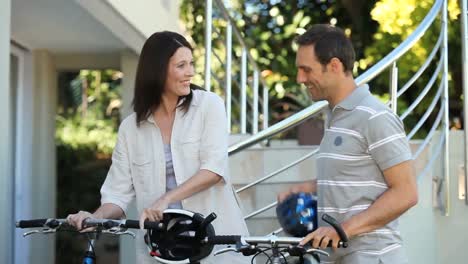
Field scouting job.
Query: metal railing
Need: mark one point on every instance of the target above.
(439, 9)
(249, 73)
(464, 40)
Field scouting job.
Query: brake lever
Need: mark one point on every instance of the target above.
(224, 250)
(317, 251)
(246, 250)
(118, 231)
(300, 250)
(38, 231)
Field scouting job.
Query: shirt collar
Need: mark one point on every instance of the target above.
(195, 101)
(350, 102)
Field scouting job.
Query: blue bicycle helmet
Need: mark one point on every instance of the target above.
(297, 214)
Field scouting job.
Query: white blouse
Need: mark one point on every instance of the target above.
(199, 141)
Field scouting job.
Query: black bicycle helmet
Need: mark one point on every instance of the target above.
(181, 239)
(297, 214)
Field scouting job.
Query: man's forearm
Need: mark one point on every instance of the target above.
(384, 210)
(402, 194)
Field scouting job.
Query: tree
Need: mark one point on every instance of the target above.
(375, 27)
(87, 122)
(270, 27)
(397, 19)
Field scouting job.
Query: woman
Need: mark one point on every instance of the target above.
(172, 151)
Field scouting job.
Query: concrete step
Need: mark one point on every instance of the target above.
(257, 162)
(234, 138)
(260, 196)
(252, 164)
(262, 226)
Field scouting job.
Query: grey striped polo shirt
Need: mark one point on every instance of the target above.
(362, 138)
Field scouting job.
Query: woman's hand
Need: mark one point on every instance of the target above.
(77, 219)
(155, 211)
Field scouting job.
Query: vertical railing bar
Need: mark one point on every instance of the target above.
(265, 107)
(394, 87)
(244, 91)
(464, 40)
(228, 74)
(446, 113)
(255, 103)
(208, 25)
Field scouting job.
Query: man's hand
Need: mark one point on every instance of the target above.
(283, 195)
(321, 237)
(306, 187)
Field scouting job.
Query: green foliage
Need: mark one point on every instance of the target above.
(88, 114)
(397, 20)
(375, 27)
(269, 28)
(90, 133)
(87, 122)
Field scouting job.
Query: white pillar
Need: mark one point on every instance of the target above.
(21, 69)
(464, 41)
(44, 154)
(129, 64)
(6, 137)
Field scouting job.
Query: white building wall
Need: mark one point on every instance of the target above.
(24, 116)
(6, 177)
(452, 231)
(418, 225)
(129, 64)
(429, 236)
(44, 161)
(150, 16)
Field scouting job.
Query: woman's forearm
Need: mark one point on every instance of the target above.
(202, 180)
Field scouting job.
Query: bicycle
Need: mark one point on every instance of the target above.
(101, 226)
(182, 246)
(281, 247)
(185, 237)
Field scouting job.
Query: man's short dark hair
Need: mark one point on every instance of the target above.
(329, 42)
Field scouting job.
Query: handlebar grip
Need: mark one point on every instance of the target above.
(31, 223)
(341, 244)
(332, 221)
(148, 224)
(223, 240)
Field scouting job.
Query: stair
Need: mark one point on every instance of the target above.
(257, 162)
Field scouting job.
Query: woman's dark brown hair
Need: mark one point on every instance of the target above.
(152, 73)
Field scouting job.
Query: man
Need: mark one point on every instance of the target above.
(365, 176)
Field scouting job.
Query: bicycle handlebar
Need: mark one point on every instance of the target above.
(247, 245)
(45, 222)
(272, 239)
(89, 222)
(332, 221)
(124, 223)
(31, 223)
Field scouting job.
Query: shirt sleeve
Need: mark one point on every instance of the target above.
(214, 140)
(118, 187)
(387, 140)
